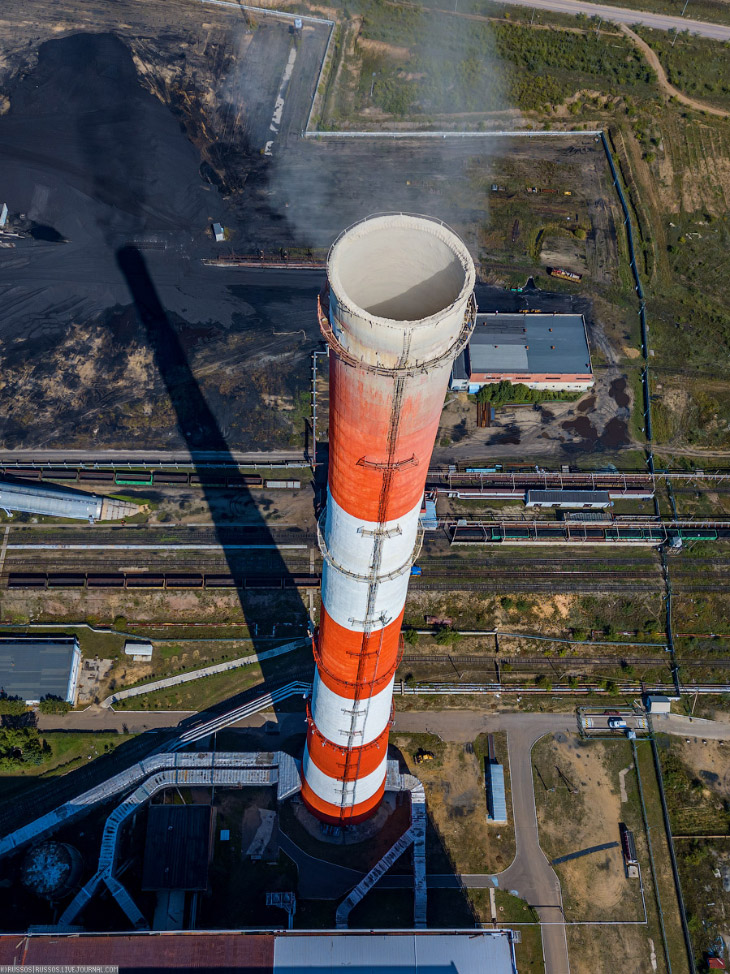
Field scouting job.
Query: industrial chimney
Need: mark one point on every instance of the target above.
(397, 309)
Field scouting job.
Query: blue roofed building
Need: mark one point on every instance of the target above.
(541, 351)
(496, 797)
(34, 667)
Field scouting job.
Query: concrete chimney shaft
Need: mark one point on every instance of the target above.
(397, 310)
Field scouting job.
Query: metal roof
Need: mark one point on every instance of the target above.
(176, 848)
(470, 952)
(55, 501)
(244, 953)
(496, 799)
(34, 667)
(569, 497)
(484, 951)
(529, 343)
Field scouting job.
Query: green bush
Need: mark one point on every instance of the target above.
(506, 602)
(410, 636)
(53, 705)
(447, 636)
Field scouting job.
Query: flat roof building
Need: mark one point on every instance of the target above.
(584, 499)
(657, 703)
(405, 952)
(139, 649)
(541, 351)
(496, 798)
(33, 667)
(177, 848)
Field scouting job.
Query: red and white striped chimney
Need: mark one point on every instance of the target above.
(397, 310)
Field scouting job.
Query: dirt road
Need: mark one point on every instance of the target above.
(663, 81)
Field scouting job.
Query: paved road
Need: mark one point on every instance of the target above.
(530, 874)
(711, 730)
(623, 15)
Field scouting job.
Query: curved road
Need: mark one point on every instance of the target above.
(530, 874)
(623, 15)
(664, 83)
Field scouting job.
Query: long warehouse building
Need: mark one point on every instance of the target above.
(18, 497)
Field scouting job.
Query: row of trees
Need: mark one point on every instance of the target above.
(15, 706)
(500, 393)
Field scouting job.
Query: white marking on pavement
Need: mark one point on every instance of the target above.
(622, 782)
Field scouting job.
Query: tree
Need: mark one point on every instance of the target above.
(19, 745)
(410, 636)
(446, 636)
(12, 705)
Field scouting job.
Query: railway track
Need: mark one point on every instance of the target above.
(564, 662)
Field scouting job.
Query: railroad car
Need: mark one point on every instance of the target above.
(97, 580)
(145, 581)
(134, 478)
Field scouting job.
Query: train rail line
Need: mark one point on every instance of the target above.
(563, 662)
(152, 573)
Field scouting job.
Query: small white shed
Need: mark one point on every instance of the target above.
(658, 704)
(140, 651)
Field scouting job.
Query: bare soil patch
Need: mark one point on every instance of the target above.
(578, 783)
(457, 806)
(592, 953)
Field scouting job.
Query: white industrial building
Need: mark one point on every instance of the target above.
(590, 500)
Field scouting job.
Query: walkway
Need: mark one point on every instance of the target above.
(231, 664)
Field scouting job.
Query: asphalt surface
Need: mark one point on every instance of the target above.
(624, 15)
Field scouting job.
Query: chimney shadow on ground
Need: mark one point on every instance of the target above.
(199, 430)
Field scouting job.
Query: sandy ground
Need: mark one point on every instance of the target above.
(594, 886)
(592, 953)
(456, 803)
